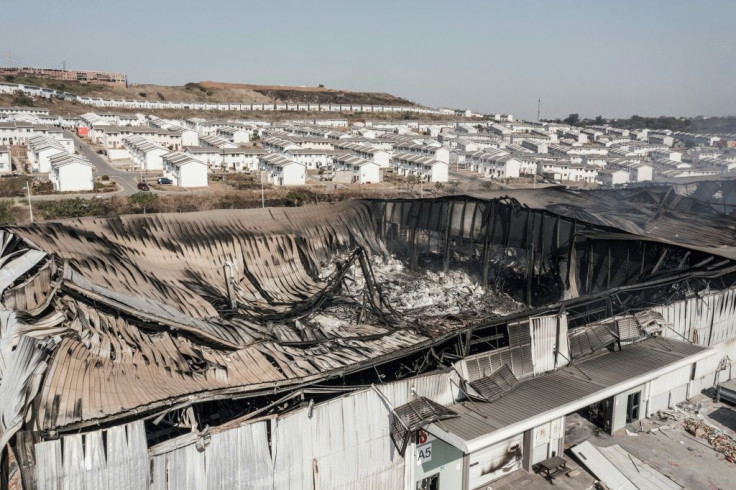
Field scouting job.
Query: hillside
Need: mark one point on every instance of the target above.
(66, 108)
(210, 91)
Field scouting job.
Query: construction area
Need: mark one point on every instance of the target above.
(530, 338)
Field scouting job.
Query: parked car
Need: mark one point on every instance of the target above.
(143, 186)
(165, 180)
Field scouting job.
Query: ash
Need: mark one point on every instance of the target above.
(423, 294)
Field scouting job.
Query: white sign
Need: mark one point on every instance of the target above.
(424, 453)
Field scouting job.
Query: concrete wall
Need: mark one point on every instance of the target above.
(620, 404)
(193, 175)
(74, 177)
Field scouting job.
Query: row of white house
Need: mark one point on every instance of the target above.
(34, 91)
(111, 137)
(18, 132)
(67, 172)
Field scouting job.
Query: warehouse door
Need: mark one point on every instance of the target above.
(633, 406)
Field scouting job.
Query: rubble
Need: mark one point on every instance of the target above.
(721, 442)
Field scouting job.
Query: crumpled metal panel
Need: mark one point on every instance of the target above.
(20, 383)
(12, 267)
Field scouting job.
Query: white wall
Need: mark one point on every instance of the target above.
(294, 174)
(5, 165)
(73, 177)
(192, 175)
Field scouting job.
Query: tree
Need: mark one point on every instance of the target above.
(142, 200)
(572, 119)
(295, 199)
(599, 120)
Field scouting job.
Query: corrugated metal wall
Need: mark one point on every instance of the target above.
(343, 443)
(84, 461)
(237, 458)
(707, 321)
(549, 333)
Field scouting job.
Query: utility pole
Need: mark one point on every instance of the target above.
(30, 206)
(263, 196)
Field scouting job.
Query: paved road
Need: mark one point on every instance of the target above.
(127, 181)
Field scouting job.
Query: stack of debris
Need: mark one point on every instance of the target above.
(720, 441)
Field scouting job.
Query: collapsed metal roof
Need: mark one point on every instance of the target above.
(148, 312)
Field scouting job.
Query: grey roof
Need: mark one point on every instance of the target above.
(564, 386)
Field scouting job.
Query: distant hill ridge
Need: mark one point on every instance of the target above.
(211, 91)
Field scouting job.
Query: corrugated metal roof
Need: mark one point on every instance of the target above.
(556, 389)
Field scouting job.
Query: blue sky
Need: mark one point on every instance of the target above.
(591, 57)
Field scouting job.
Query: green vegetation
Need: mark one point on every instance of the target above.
(20, 99)
(572, 120)
(149, 202)
(726, 124)
(13, 186)
(295, 199)
(68, 208)
(6, 214)
(142, 201)
(195, 86)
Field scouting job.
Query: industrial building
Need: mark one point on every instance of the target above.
(435, 343)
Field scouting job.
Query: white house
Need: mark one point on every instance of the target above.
(216, 142)
(209, 155)
(145, 154)
(611, 178)
(310, 158)
(233, 134)
(40, 150)
(280, 145)
(583, 173)
(241, 159)
(641, 172)
(661, 139)
(494, 164)
(281, 170)
(360, 170)
(71, 173)
(184, 170)
(675, 156)
(427, 169)
(436, 152)
(368, 152)
(5, 161)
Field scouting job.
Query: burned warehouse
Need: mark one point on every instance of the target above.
(383, 344)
